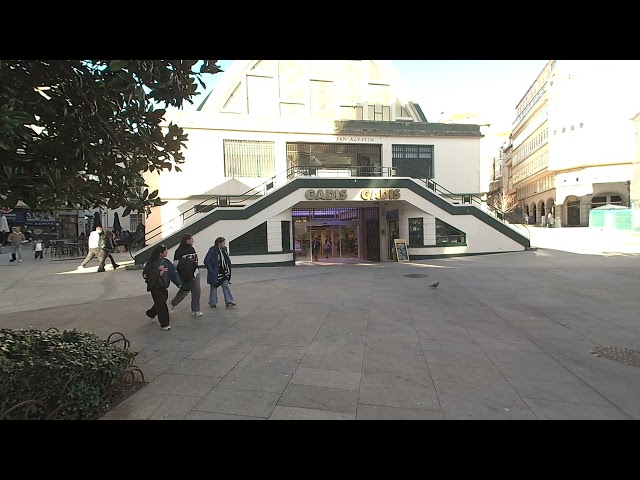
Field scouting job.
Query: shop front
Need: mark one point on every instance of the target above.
(341, 233)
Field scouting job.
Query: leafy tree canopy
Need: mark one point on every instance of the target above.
(81, 133)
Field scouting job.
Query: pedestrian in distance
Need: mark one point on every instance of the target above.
(327, 248)
(15, 239)
(158, 274)
(185, 260)
(108, 246)
(315, 249)
(94, 245)
(38, 248)
(218, 266)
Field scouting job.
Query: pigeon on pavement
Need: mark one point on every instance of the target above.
(435, 285)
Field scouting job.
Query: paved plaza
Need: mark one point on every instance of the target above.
(504, 336)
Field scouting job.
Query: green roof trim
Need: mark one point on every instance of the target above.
(306, 183)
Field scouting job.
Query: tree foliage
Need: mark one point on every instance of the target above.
(81, 133)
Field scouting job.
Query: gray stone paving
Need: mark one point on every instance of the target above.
(506, 336)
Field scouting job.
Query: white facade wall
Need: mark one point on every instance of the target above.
(590, 106)
(456, 163)
(580, 182)
(287, 101)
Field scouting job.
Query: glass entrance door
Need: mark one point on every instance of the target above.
(342, 241)
(348, 246)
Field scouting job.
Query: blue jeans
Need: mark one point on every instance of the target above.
(213, 293)
(17, 252)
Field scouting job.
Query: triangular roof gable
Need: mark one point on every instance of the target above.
(290, 83)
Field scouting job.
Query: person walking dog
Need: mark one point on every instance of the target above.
(218, 266)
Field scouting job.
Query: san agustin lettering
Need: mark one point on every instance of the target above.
(381, 194)
(355, 139)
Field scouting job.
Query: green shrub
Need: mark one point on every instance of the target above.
(66, 375)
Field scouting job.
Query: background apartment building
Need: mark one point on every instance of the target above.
(573, 143)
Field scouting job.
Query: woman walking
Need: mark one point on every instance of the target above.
(218, 266)
(158, 272)
(186, 261)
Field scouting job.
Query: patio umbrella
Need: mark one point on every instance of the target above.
(97, 220)
(116, 222)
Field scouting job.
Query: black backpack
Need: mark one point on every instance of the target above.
(153, 278)
(186, 268)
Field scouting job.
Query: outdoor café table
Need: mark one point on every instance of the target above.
(73, 249)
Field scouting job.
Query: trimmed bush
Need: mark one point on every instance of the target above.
(53, 375)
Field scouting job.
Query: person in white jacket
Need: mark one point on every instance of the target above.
(95, 248)
(4, 230)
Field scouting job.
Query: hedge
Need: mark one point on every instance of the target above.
(60, 375)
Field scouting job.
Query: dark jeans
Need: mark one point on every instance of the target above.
(38, 255)
(159, 308)
(104, 259)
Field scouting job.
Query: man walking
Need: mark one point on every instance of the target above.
(95, 249)
(16, 237)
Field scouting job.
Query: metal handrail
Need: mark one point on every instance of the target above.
(261, 190)
(306, 171)
(494, 211)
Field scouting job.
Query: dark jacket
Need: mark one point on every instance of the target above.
(107, 244)
(101, 241)
(168, 276)
(186, 260)
(212, 261)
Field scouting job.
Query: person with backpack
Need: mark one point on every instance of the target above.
(158, 274)
(185, 259)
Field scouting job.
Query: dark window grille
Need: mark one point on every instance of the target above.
(415, 161)
(251, 243)
(445, 233)
(249, 158)
(204, 208)
(416, 232)
(333, 155)
(286, 235)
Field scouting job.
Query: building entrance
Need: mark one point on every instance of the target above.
(342, 234)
